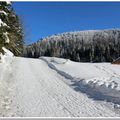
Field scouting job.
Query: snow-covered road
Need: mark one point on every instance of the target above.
(32, 89)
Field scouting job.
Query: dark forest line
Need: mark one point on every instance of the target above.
(81, 46)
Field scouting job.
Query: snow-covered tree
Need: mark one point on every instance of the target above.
(11, 35)
(85, 46)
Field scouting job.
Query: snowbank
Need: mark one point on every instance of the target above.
(1, 58)
(5, 70)
(58, 61)
(99, 80)
(5, 61)
(7, 52)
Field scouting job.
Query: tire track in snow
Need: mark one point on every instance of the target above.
(40, 92)
(43, 102)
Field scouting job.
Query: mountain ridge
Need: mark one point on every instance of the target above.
(85, 46)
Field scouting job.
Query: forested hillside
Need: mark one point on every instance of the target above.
(85, 46)
(11, 33)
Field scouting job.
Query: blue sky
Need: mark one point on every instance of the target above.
(42, 19)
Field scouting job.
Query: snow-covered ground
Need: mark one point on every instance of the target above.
(100, 81)
(51, 87)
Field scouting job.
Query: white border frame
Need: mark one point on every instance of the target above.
(54, 118)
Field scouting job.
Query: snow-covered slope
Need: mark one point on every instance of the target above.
(31, 88)
(99, 80)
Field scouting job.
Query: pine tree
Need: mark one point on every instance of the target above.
(11, 33)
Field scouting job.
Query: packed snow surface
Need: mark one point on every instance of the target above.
(45, 88)
(98, 80)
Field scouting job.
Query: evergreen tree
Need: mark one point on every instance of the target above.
(84, 46)
(11, 33)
